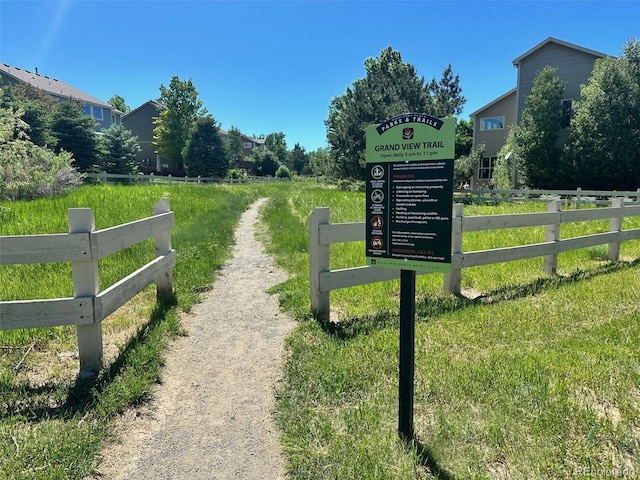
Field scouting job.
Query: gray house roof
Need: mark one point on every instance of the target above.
(50, 85)
(517, 61)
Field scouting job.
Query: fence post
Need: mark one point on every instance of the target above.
(453, 279)
(578, 195)
(552, 234)
(615, 225)
(318, 263)
(164, 283)
(86, 285)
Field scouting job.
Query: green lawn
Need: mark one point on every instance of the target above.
(537, 377)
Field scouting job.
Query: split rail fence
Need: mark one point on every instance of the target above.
(323, 234)
(83, 246)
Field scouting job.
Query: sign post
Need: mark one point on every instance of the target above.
(409, 199)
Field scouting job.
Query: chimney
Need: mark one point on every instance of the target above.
(36, 70)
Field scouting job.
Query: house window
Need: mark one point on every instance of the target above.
(247, 145)
(485, 168)
(567, 112)
(492, 123)
(97, 112)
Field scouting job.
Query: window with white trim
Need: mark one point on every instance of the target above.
(485, 167)
(247, 144)
(492, 123)
(567, 112)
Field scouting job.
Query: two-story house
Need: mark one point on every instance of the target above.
(103, 114)
(140, 122)
(574, 65)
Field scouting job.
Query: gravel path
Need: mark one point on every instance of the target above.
(211, 418)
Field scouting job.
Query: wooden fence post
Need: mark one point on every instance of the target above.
(453, 279)
(615, 225)
(164, 283)
(552, 234)
(86, 285)
(318, 263)
(578, 195)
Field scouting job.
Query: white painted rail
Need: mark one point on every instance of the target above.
(83, 246)
(322, 234)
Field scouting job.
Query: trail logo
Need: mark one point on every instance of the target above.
(407, 133)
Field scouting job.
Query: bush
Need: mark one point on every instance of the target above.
(283, 172)
(28, 171)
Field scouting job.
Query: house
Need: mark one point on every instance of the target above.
(104, 114)
(141, 123)
(491, 123)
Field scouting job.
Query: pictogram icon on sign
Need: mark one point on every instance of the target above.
(377, 222)
(377, 243)
(377, 196)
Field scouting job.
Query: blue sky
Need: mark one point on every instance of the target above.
(274, 66)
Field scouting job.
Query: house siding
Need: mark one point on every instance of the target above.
(572, 66)
(140, 123)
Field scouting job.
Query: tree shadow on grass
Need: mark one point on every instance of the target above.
(431, 306)
(39, 403)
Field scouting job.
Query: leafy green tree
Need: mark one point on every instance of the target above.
(27, 170)
(390, 87)
(464, 137)
(509, 169)
(118, 103)
(298, 159)
(206, 153)
(605, 130)
(174, 124)
(537, 135)
(277, 144)
(464, 166)
(75, 134)
(234, 146)
(265, 163)
(320, 162)
(118, 148)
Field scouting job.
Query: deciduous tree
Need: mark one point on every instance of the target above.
(537, 134)
(606, 126)
(174, 124)
(118, 103)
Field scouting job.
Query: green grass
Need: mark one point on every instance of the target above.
(52, 424)
(538, 377)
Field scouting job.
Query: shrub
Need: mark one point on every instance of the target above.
(283, 172)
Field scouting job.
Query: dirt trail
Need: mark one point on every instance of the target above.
(211, 418)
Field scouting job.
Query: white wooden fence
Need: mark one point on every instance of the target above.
(83, 246)
(322, 234)
(576, 197)
(104, 177)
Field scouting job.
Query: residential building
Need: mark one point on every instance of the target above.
(573, 64)
(141, 123)
(104, 114)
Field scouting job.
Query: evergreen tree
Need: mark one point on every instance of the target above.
(234, 146)
(206, 153)
(265, 163)
(298, 159)
(75, 134)
(118, 148)
(390, 87)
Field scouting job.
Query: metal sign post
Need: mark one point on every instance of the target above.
(409, 188)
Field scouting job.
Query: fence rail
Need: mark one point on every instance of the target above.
(83, 246)
(576, 197)
(169, 179)
(323, 234)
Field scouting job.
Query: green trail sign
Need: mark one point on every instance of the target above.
(409, 188)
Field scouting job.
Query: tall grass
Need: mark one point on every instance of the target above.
(52, 424)
(537, 377)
